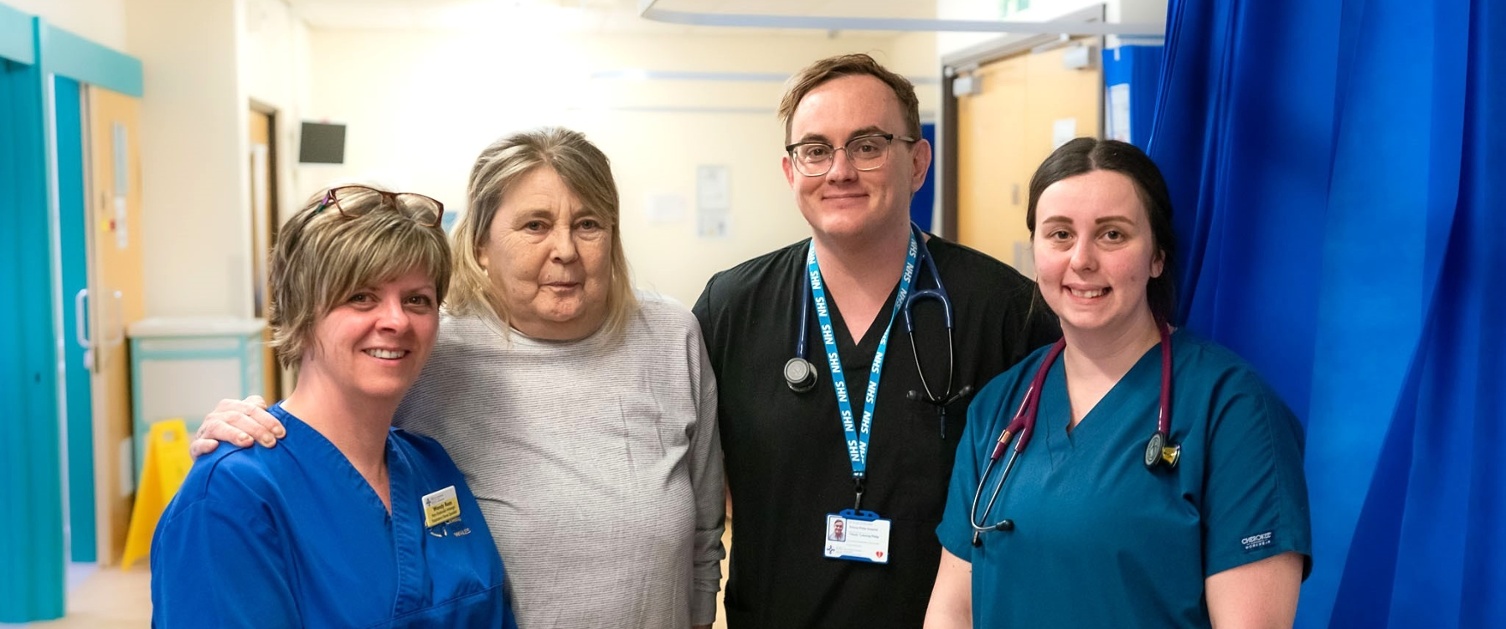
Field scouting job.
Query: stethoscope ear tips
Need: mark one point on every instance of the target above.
(1158, 452)
(800, 374)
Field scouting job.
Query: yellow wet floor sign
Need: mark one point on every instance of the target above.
(167, 463)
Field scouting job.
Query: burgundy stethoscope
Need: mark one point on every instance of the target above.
(1159, 450)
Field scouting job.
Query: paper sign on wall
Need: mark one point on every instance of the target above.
(1064, 130)
(713, 192)
(121, 172)
(663, 209)
(122, 231)
(1116, 101)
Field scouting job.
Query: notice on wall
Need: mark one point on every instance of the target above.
(121, 224)
(713, 192)
(120, 169)
(1063, 130)
(664, 209)
(1116, 101)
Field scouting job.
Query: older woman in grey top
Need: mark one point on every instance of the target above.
(582, 414)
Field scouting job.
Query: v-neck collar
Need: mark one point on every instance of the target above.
(866, 346)
(404, 521)
(311, 440)
(1056, 412)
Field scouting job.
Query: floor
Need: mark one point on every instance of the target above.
(111, 598)
(107, 598)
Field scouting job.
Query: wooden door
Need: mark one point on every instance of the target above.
(117, 300)
(263, 230)
(1027, 106)
(991, 200)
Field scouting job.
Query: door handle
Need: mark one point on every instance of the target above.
(80, 325)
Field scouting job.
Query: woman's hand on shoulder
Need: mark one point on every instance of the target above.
(241, 422)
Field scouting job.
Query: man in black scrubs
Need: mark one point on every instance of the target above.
(794, 466)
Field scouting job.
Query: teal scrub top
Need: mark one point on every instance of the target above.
(1101, 541)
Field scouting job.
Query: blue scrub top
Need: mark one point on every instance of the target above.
(293, 536)
(1099, 540)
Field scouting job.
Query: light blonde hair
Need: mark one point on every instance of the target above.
(583, 168)
(323, 255)
(818, 73)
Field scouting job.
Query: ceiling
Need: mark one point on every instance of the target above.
(586, 16)
(912, 9)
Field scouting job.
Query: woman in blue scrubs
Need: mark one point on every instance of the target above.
(582, 411)
(1215, 533)
(350, 523)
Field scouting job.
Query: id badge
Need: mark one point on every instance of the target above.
(857, 536)
(442, 514)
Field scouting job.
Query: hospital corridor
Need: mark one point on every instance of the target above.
(429, 313)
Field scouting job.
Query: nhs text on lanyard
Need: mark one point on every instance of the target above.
(853, 533)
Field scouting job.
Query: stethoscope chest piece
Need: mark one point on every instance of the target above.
(1158, 453)
(800, 374)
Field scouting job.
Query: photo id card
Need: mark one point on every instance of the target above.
(857, 536)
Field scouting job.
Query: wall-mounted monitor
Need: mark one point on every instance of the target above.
(322, 143)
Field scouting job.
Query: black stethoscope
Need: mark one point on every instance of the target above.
(1159, 450)
(800, 374)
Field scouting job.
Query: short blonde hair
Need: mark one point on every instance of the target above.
(583, 168)
(818, 73)
(324, 254)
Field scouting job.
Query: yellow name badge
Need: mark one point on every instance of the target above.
(441, 507)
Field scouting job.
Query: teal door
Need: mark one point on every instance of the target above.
(31, 520)
(76, 302)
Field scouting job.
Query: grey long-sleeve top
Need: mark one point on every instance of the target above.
(597, 464)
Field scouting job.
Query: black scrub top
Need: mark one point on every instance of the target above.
(786, 456)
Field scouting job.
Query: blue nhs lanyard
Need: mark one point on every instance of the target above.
(857, 436)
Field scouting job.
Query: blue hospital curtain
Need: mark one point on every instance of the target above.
(1336, 169)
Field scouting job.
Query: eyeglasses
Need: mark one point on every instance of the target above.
(865, 152)
(354, 201)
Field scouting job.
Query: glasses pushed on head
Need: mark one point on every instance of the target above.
(354, 201)
(866, 152)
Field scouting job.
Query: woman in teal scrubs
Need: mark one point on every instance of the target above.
(350, 523)
(1082, 534)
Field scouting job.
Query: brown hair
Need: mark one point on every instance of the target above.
(323, 255)
(858, 64)
(583, 168)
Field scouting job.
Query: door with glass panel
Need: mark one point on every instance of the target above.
(115, 294)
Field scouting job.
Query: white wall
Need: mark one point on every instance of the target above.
(204, 62)
(274, 73)
(192, 164)
(914, 55)
(99, 21)
(421, 106)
